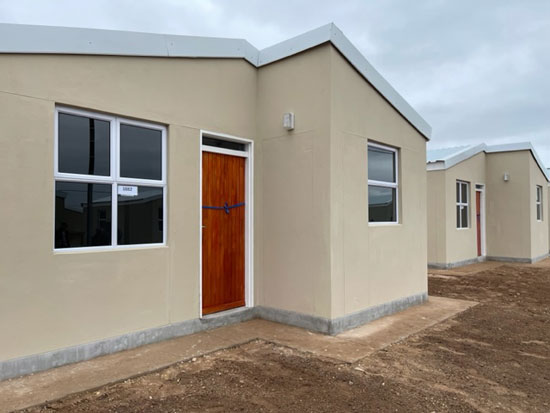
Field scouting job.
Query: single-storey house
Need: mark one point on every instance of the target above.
(486, 202)
(158, 185)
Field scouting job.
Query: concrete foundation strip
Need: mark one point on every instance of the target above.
(56, 358)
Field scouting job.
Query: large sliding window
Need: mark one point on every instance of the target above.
(110, 181)
(383, 184)
(539, 203)
(462, 204)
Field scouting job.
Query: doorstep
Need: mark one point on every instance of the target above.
(348, 347)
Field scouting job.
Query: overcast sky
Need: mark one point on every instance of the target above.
(477, 71)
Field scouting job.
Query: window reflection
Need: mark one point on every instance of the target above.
(140, 216)
(381, 165)
(382, 205)
(140, 152)
(82, 214)
(84, 145)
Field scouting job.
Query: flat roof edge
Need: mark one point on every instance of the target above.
(461, 156)
(361, 64)
(32, 39)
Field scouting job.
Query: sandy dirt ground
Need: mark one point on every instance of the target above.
(492, 357)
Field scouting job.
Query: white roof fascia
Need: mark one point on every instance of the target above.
(17, 38)
(435, 166)
(467, 153)
(520, 146)
(295, 45)
(455, 158)
(30, 39)
(357, 60)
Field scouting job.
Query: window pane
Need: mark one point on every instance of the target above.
(381, 165)
(464, 213)
(465, 187)
(219, 143)
(458, 192)
(382, 205)
(140, 152)
(539, 193)
(458, 216)
(82, 214)
(83, 145)
(140, 214)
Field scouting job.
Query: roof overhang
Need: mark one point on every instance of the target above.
(455, 158)
(450, 161)
(30, 39)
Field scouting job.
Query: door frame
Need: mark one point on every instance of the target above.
(481, 189)
(249, 209)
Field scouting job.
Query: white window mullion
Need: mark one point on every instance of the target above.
(114, 174)
(114, 215)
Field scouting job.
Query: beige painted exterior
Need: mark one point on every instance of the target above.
(365, 271)
(512, 230)
(314, 252)
(447, 243)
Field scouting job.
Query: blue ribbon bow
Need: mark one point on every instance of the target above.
(225, 207)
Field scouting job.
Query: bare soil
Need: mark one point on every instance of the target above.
(492, 357)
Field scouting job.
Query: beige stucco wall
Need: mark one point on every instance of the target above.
(314, 251)
(52, 300)
(295, 183)
(372, 264)
(437, 217)
(509, 205)
(512, 230)
(461, 244)
(539, 233)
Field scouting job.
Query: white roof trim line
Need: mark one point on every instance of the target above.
(455, 158)
(29, 39)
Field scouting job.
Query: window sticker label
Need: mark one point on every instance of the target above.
(127, 190)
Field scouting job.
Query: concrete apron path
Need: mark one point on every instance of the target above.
(348, 347)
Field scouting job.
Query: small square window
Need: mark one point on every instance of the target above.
(82, 214)
(138, 216)
(83, 145)
(140, 152)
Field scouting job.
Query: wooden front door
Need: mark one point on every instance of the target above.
(478, 222)
(223, 232)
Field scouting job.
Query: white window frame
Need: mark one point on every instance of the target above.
(114, 179)
(460, 203)
(384, 184)
(539, 204)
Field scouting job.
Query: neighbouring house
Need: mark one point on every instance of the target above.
(486, 202)
(159, 185)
